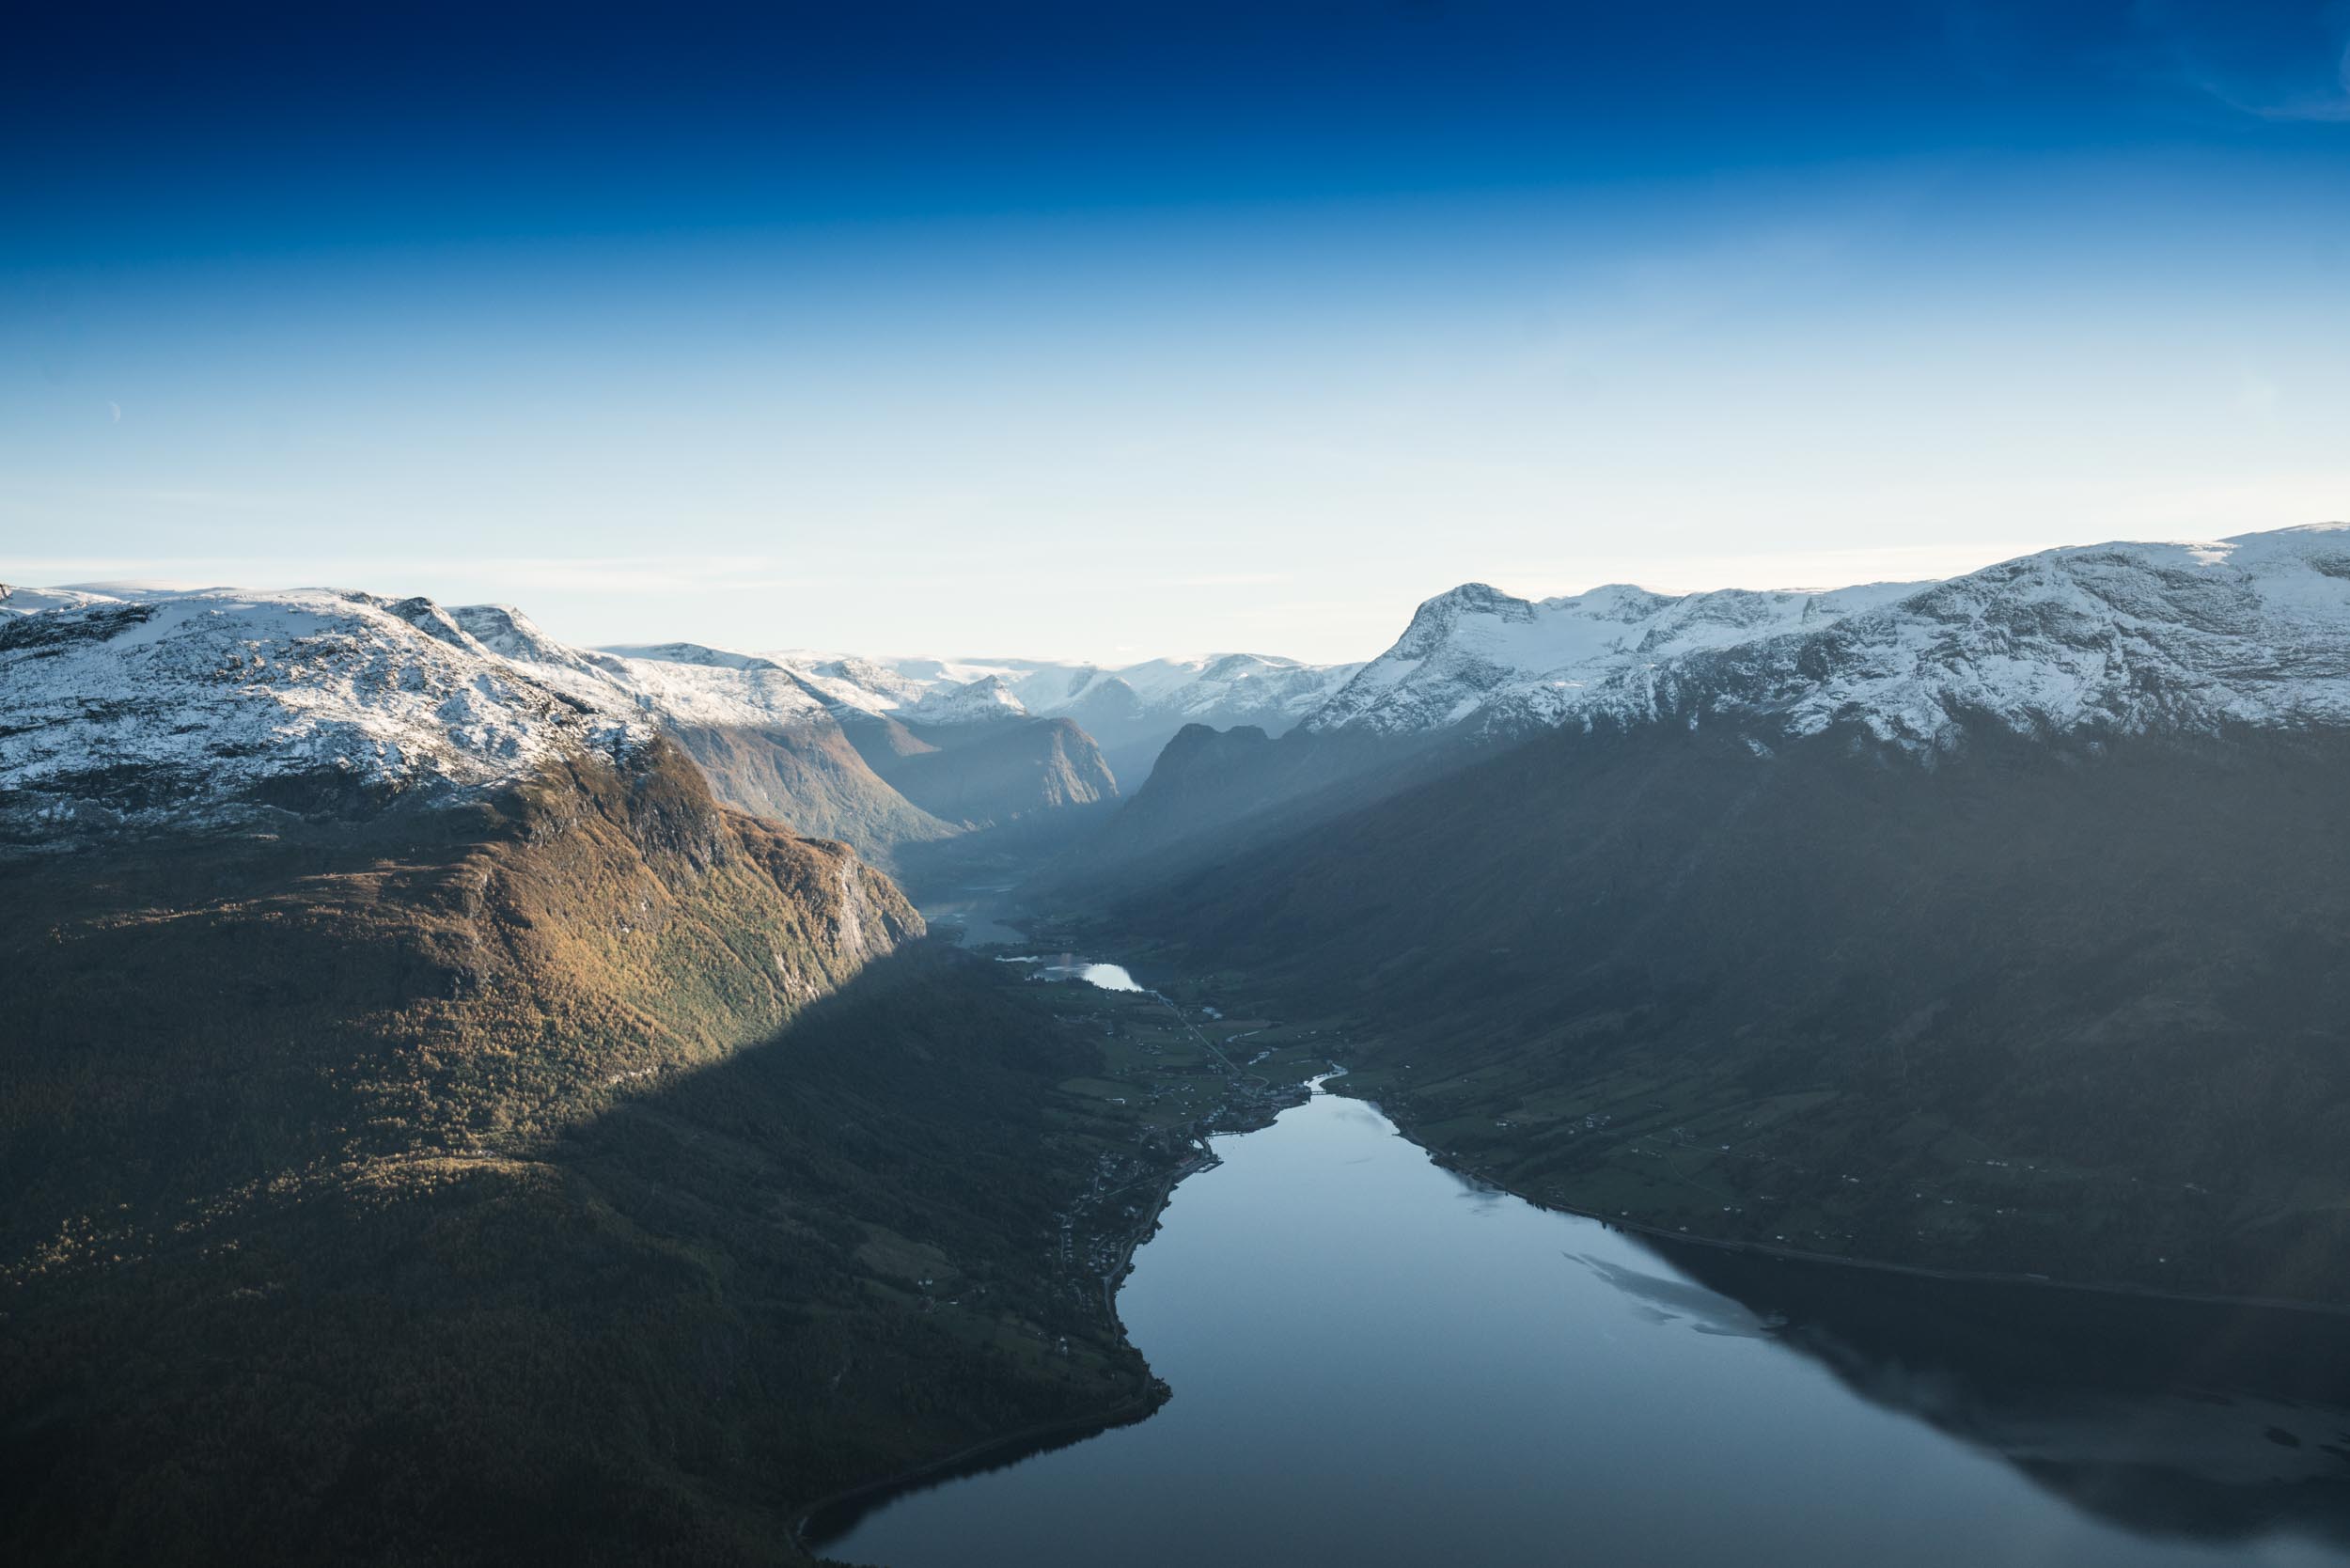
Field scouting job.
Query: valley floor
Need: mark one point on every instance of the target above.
(1668, 1148)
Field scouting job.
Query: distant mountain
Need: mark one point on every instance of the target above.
(2120, 637)
(985, 701)
(993, 774)
(860, 682)
(768, 739)
(470, 695)
(26, 600)
(2104, 639)
(2001, 925)
(1131, 710)
(1477, 659)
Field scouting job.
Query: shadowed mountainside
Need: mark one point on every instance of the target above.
(575, 1172)
(989, 774)
(811, 776)
(2070, 1007)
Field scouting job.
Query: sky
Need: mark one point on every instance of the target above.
(1117, 330)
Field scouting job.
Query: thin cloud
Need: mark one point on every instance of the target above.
(2190, 59)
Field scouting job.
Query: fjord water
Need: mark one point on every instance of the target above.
(1377, 1362)
(1108, 977)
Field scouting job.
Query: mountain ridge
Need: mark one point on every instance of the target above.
(2063, 638)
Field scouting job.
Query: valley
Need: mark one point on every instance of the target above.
(1502, 784)
(506, 1093)
(1376, 1359)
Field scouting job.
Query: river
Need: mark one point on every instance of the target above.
(1376, 1362)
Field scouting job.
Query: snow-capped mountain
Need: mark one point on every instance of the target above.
(26, 600)
(1239, 688)
(1131, 709)
(673, 683)
(217, 706)
(1271, 692)
(860, 683)
(2253, 630)
(1478, 658)
(985, 701)
(152, 708)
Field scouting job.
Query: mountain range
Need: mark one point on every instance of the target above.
(2113, 637)
(1131, 710)
(893, 758)
(432, 1122)
(1994, 923)
(419, 1024)
(2101, 641)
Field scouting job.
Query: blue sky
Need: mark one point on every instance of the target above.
(1118, 330)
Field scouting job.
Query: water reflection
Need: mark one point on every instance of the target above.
(1068, 967)
(2217, 1422)
(1109, 977)
(972, 917)
(1375, 1362)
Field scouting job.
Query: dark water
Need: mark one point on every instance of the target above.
(1376, 1362)
(971, 915)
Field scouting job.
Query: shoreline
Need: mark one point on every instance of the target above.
(1874, 1266)
(1203, 1158)
(974, 1457)
(1013, 1447)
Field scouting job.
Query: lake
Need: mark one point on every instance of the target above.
(1377, 1362)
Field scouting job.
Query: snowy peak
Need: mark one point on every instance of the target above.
(511, 635)
(1515, 664)
(2113, 639)
(690, 654)
(986, 700)
(1440, 620)
(214, 706)
(675, 683)
(866, 684)
(26, 600)
(2126, 638)
(1277, 690)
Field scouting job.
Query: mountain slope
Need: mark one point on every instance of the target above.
(2123, 636)
(1132, 712)
(995, 773)
(433, 1127)
(222, 707)
(2043, 1008)
(767, 738)
(1476, 657)
(2113, 639)
(2002, 926)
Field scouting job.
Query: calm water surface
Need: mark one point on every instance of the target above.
(972, 916)
(1376, 1362)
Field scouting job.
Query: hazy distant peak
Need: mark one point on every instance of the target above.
(987, 700)
(26, 601)
(690, 654)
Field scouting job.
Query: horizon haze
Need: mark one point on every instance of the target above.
(887, 327)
